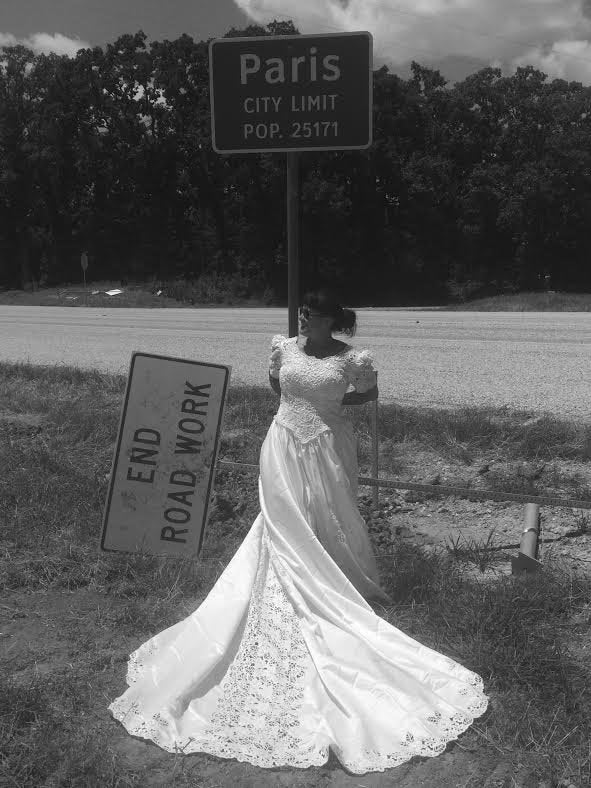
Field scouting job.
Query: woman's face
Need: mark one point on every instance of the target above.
(313, 324)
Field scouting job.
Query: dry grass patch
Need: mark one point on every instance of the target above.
(550, 301)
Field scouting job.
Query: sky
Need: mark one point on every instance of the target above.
(457, 36)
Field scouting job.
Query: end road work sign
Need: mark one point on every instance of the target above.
(290, 93)
(165, 456)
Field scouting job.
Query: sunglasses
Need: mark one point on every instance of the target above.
(307, 314)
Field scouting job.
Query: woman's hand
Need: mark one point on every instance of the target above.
(358, 398)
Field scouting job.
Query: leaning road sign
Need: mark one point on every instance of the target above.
(290, 93)
(165, 456)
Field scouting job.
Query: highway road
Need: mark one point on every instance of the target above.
(538, 361)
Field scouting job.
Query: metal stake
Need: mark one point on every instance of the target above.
(375, 450)
(526, 560)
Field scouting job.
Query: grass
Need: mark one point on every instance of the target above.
(94, 295)
(467, 431)
(482, 448)
(550, 301)
(38, 719)
(236, 289)
(474, 551)
(206, 290)
(57, 431)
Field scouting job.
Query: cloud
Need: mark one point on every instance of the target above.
(554, 35)
(44, 43)
(8, 40)
(570, 60)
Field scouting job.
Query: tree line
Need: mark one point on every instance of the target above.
(483, 186)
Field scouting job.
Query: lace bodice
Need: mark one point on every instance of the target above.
(312, 389)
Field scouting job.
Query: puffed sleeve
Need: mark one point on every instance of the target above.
(276, 355)
(361, 373)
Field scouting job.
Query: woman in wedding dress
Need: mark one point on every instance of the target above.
(285, 659)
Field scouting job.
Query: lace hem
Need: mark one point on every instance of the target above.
(231, 745)
(257, 716)
(258, 712)
(273, 753)
(447, 728)
(413, 746)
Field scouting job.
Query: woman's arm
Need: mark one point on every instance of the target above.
(275, 384)
(357, 398)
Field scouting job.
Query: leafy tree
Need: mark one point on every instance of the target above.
(484, 184)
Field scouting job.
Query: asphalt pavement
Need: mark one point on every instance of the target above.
(537, 361)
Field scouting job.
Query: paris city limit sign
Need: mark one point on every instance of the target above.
(290, 93)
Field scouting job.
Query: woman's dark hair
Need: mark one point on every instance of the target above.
(327, 303)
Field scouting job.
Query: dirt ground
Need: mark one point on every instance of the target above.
(42, 633)
(437, 522)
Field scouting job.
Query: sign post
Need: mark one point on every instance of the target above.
(164, 461)
(288, 94)
(84, 265)
(293, 241)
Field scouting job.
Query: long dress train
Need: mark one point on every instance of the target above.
(285, 659)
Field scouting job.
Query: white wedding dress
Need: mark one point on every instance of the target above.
(285, 659)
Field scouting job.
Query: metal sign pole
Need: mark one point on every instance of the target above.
(288, 94)
(293, 241)
(84, 264)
